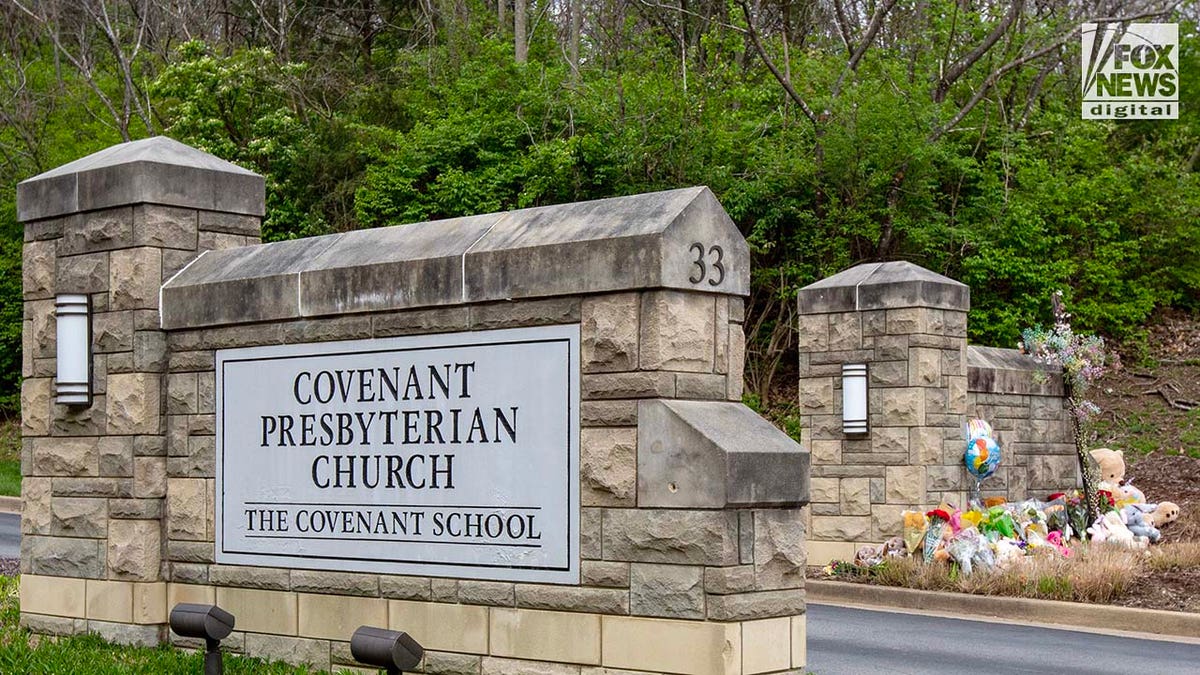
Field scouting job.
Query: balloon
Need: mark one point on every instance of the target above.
(982, 457)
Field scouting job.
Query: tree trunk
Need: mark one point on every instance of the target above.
(500, 14)
(1090, 480)
(576, 30)
(521, 50)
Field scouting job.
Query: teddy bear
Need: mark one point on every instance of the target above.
(1163, 513)
(1140, 524)
(870, 556)
(1110, 528)
(1112, 477)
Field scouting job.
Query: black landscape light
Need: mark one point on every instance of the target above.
(203, 621)
(389, 649)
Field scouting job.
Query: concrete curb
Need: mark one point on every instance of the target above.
(1076, 614)
(10, 504)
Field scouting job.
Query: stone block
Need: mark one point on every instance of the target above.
(79, 517)
(677, 331)
(672, 646)
(905, 484)
(490, 665)
(721, 336)
(334, 617)
(449, 663)
(36, 515)
(102, 230)
(608, 413)
(841, 528)
(442, 627)
(110, 600)
(609, 332)
(260, 611)
(672, 591)
(887, 520)
(115, 456)
(66, 457)
(826, 452)
(246, 576)
(737, 363)
(342, 583)
(165, 226)
(779, 553)
(823, 490)
(53, 595)
(133, 403)
(314, 653)
(65, 556)
(135, 549)
(900, 406)
(628, 385)
(816, 395)
(421, 321)
(670, 536)
(608, 466)
(404, 588)
(712, 454)
(38, 269)
(149, 477)
(182, 394)
(187, 509)
(36, 397)
(766, 645)
(573, 598)
(495, 593)
(703, 386)
(845, 331)
(727, 580)
(52, 625)
(135, 275)
(590, 539)
(230, 223)
(603, 573)
(924, 367)
(855, 496)
(925, 445)
(945, 478)
(545, 636)
(444, 590)
(760, 605)
(813, 335)
(135, 509)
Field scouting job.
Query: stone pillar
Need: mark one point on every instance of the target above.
(909, 325)
(113, 225)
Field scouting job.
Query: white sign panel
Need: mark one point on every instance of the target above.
(442, 455)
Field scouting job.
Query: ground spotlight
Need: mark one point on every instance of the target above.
(203, 621)
(389, 649)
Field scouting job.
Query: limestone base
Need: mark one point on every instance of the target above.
(314, 629)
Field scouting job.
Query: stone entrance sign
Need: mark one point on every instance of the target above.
(517, 436)
(450, 455)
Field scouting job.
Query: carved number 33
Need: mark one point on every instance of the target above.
(701, 271)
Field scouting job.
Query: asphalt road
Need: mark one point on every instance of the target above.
(845, 641)
(10, 535)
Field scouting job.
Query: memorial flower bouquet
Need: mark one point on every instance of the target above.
(1083, 359)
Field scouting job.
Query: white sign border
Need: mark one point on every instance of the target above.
(549, 333)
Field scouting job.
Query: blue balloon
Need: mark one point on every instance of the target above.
(982, 457)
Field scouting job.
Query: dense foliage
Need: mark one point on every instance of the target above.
(946, 133)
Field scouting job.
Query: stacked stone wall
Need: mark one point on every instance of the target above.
(95, 478)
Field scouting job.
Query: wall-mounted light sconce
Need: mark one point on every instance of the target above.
(854, 398)
(73, 384)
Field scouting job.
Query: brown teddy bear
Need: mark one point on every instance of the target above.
(1112, 468)
(1165, 512)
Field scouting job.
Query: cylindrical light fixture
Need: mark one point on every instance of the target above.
(73, 384)
(854, 398)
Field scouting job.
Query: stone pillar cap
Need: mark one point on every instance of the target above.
(888, 285)
(156, 170)
(680, 239)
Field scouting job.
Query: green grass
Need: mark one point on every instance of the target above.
(23, 652)
(10, 459)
